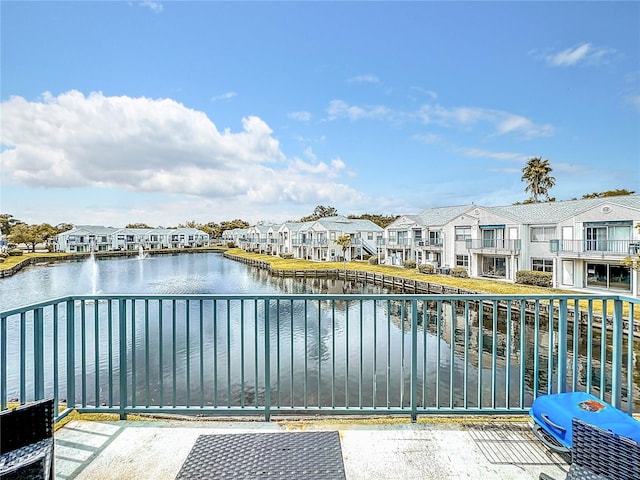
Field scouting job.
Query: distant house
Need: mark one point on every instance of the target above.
(92, 238)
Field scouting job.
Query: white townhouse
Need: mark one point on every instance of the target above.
(235, 235)
(315, 240)
(292, 238)
(365, 236)
(262, 238)
(421, 237)
(581, 242)
(91, 238)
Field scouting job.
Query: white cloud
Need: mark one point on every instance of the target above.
(153, 6)
(341, 109)
(156, 146)
(584, 53)
(366, 78)
(499, 122)
(428, 138)
(224, 96)
(300, 116)
(481, 153)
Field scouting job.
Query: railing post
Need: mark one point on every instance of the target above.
(122, 339)
(563, 338)
(38, 353)
(414, 360)
(3, 363)
(616, 354)
(267, 363)
(71, 354)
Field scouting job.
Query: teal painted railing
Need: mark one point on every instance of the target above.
(314, 354)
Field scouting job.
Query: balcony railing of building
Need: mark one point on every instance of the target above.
(316, 242)
(315, 354)
(493, 245)
(430, 242)
(597, 248)
(399, 242)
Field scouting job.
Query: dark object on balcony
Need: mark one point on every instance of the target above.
(26, 441)
(297, 455)
(599, 454)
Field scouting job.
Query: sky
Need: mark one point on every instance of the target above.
(166, 112)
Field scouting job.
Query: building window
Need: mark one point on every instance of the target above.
(543, 234)
(369, 235)
(542, 265)
(603, 275)
(494, 267)
(463, 234)
(436, 239)
(462, 260)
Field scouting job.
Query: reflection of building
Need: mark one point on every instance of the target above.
(581, 242)
(90, 238)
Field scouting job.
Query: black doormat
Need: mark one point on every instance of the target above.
(298, 455)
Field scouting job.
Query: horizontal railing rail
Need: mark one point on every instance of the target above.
(495, 244)
(619, 248)
(315, 354)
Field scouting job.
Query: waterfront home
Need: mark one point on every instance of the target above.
(92, 238)
(580, 242)
(235, 235)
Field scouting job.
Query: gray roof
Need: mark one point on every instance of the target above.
(348, 225)
(554, 212)
(441, 215)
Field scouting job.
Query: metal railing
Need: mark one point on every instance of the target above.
(494, 244)
(619, 248)
(314, 354)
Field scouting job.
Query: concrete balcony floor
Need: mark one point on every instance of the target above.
(372, 448)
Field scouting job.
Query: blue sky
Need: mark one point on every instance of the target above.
(163, 112)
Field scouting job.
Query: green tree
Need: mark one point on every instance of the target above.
(344, 242)
(380, 220)
(7, 222)
(609, 193)
(63, 227)
(537, 175)
(31, 235)
(320, 212)
(137, 225)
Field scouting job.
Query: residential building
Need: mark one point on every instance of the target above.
(92, 238)
(580, 242)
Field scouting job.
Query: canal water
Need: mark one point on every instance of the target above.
(324, 354)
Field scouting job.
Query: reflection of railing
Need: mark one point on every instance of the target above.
(358, 354)
(596, 247)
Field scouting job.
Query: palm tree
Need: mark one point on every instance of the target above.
(536, 174)
(344, 242)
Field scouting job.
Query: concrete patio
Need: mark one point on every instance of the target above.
(373, 448)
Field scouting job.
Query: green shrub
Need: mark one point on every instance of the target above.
(1, 259)
(459, 272)
(15, 253)
(231, 245)
(286, 256)
(409, 264)
(373, 260)
(529, 277)
(426, 268)
(365, 256)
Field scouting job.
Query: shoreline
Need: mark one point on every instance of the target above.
(46, 258)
